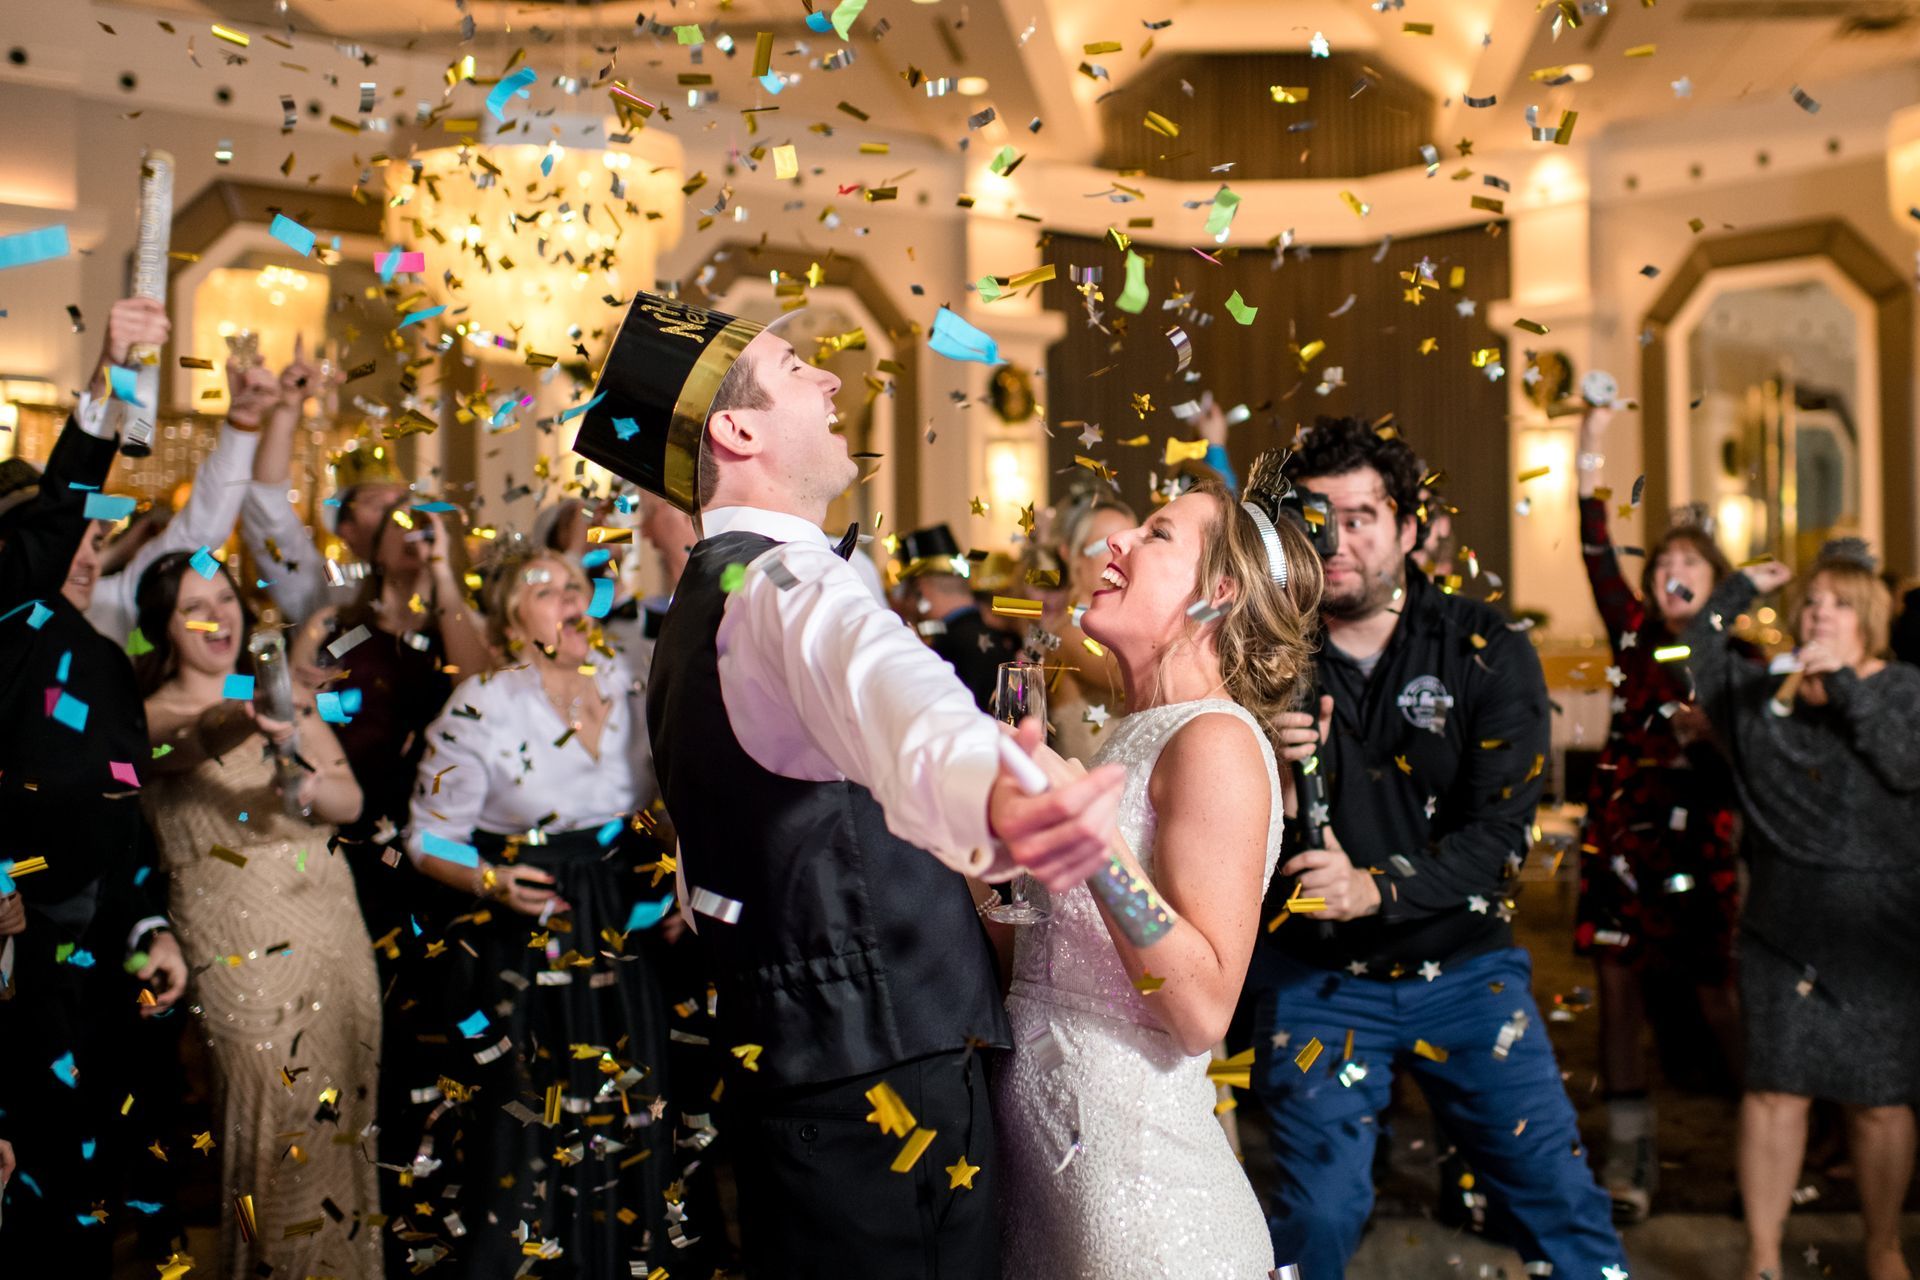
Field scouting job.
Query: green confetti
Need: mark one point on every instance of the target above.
(1003, 161)
(989, 289)
(844, 14)
(1225, 204)
(138, 644)
(164, 748)
(1133, 298)
(137, 961)
(689, 35)
(300, 861)
(733, 577)
(61, 952)
(1237, 307)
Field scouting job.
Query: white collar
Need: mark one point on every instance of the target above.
(777, 525)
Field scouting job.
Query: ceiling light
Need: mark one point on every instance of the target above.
(1579, 72)
(971, 86)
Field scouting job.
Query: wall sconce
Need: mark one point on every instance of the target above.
(1015, 470)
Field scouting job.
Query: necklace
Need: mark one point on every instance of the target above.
(569, 708)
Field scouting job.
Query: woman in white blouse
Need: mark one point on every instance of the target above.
(526, 797)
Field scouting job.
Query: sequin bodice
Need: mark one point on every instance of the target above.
(1113, 1166)
(1069, 958)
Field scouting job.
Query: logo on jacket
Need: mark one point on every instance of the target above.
(1424, 702)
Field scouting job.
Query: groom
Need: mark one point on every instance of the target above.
(830, 780)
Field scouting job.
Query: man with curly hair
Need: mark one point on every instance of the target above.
(1432, 741)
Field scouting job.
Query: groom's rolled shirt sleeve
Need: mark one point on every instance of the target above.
(822, 682)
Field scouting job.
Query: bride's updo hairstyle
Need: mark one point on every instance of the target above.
(1265, 632)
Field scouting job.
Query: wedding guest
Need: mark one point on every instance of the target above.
(1433, 756)
(939, 599)
(1659, 879)
(71, 767)
(285, 988)
(528, 797)
(1827, 765)
(1088, 690)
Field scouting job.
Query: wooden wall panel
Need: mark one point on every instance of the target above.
(1231, 116)
(1451, 413)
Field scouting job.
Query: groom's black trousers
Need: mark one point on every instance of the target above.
(819, 1198)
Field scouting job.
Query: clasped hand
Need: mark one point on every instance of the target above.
(1329, 874)
(1065, 834)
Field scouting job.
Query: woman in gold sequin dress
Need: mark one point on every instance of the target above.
(283, 975)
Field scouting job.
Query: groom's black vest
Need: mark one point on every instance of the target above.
(854, 950)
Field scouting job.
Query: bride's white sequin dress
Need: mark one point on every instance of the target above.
(1113, 1166)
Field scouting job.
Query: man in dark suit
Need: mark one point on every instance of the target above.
(937, 598)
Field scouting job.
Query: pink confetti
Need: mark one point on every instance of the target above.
(415, 263)
(123, 772)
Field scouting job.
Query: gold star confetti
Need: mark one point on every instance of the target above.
(1147, 984)
(960, 1175)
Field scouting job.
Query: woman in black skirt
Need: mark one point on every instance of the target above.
(1827, 766)
(555, 1114)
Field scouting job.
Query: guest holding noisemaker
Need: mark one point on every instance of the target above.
(1828, 775)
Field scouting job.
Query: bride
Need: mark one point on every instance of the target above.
(1112, 1164)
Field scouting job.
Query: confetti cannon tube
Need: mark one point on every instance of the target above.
(1132, 902)
(149, 281)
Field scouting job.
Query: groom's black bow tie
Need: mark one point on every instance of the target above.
(844, 547)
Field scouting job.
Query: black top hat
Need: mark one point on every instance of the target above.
(931, 550)
(655, 390)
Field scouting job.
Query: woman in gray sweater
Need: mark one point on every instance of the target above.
(1827, 765)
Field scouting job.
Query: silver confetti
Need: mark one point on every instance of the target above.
(709, 903)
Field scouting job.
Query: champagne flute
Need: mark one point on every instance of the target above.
(1019, 692)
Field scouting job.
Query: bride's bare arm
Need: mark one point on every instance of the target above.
(1213, 800)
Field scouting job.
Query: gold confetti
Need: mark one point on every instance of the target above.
(1288, 94)
(1360, 207)
(1161, 125)
(916, 1147)
(1641, 51)
(1016, 607)
(1147, 984)
(1308, 1055)
(1533, 473)
(1433, 1053)
(233, 37)
(1236, 1071)
(960, 1175)
(749, 1055)
(889, 1111)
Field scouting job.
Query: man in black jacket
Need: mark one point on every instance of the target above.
(75, 898)
(1435, 728)
(937, 601)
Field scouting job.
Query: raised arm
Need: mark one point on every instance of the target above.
(1620, 609)
(272, 530)
(42, 538)
(1726, 685)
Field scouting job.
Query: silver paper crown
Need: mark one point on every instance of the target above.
(1848, 551)
(1693, 515)
(1267, 489)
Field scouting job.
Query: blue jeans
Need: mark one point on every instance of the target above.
(1323, 1131)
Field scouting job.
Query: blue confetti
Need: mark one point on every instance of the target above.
(81, 959)
(425, 313)
(626, 428)
(546, 165)
(608, 832)
(148, 1207)
(955, 339)
(33, 246)
(71, 712)
(645, 915)
(577, 410)
(514, 84)
(204, 564)
(602, 598)
(125, 384)
(140, 876)
(6, 880)
(65, 668)
(38, 615)
(819, 22)
(87, 1146)
(474, 1025)
(291, 234)
(772, 82)
(237, 687)
(390, 263)
(109, 506)
(435, 508)
(68, 1074)
(327, 703)
(436, 846)
(596, 557)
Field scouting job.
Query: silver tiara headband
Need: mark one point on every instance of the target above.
(1270, 538)
(1267, 491)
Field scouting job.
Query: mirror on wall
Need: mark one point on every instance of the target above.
(1773, 440)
